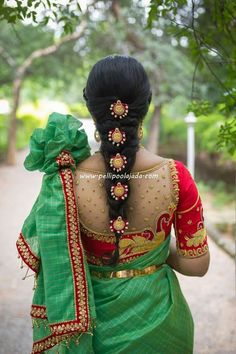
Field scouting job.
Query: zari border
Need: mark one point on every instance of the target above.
(49, 342)
(38, 311)
(175, 181)
(81, 323)
(193, 253)
(26, 254)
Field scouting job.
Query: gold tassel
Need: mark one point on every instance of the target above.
(35, 281)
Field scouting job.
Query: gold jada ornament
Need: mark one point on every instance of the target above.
(119, 225)
(119, 191)
(116, 136)
(119, 109)
(118, 162)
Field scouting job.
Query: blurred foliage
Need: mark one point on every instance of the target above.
(3, 133)
(166, 44)
(174, 128)
(66, 13)
(219, 191)
(15, 49)
(25, 124)
(79, 110)
(208, 30)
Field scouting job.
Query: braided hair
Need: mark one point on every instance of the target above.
(123, 80)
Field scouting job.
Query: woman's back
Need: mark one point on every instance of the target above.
(150, 185)
(157, 201)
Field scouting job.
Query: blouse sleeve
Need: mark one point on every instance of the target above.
(191, 236)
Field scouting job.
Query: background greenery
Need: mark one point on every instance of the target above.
(187, 48)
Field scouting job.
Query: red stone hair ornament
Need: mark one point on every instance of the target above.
(118, 225)
(119, 191)
(119, 109)
(117, 136)
(118, 162)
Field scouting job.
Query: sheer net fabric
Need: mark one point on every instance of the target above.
(151, 205)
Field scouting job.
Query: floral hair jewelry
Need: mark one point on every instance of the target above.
(118, 225)
(116, 136)
(119, 191)
(118, 162)
(119, 109)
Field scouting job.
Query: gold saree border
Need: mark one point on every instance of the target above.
(82, 320)
(49, 342)
(38, 311)
(26, 254)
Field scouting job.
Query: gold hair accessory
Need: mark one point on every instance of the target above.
(119, 225)
(119, 191)
(118, 162)
(119, 109)
(97, 136)
(116, 136)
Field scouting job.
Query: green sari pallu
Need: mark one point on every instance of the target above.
(72, 311)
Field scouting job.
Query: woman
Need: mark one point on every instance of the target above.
(109, 272)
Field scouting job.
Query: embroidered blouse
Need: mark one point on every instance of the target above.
(161, 197)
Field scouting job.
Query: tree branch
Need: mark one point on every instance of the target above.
(194, 77)
(50, 50)
(7, 57)
(203, 56)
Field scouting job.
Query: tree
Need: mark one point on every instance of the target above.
(209, 29)
(19, 74)
(42, 12)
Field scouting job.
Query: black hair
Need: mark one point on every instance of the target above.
(113, 78)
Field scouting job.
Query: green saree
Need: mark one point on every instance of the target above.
(144, 314)
(73, 311)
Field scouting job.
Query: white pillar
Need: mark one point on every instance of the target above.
(190, 119)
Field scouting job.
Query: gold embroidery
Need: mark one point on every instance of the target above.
(197, 238)
(67, 327)
(194, 252)
(175, 180)
(108, 238)
(30, 259)
(38, 311)
(138, 243)
(52, 340)
(97, 236)
(76, 256)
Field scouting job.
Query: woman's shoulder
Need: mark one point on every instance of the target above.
(145, 160)
(94, 163)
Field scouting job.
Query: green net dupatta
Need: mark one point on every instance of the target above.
(50, 242)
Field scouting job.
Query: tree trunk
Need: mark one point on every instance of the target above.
(153, 141)
(11, 148)
(18, 81)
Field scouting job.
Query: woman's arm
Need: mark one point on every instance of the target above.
(189, 252)
(193, 267)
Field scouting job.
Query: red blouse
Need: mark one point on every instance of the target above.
(186, 217)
